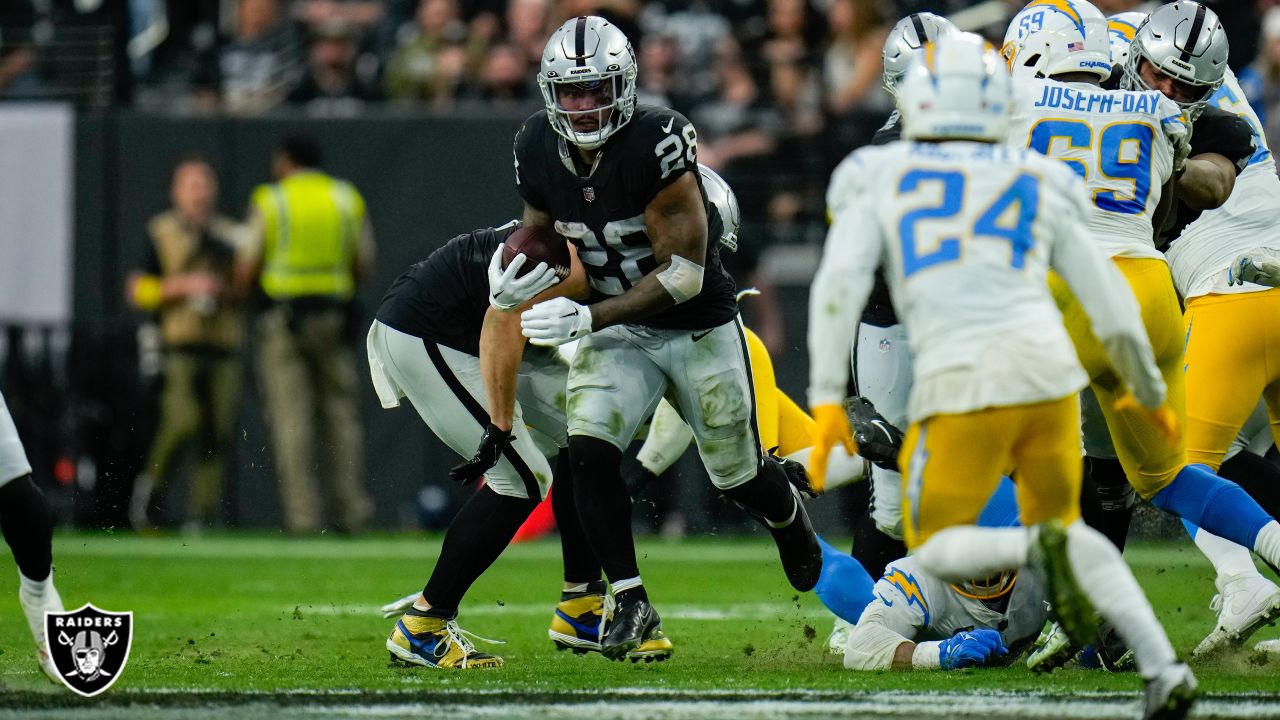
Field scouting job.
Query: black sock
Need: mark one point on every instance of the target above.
(768, 495)
(604, 506)
(1259, 477)
(635, 593)
(872, 548)
(478, 534)
(27, 523)
(1116, 495)
(580, 564)
(1091, 504)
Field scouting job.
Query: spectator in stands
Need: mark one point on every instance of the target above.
(434, 57)
(262, 61)
(310, 243)
(333, 85)
(851, 66)
(659, 54)
(187, 281)
(738, 124)
(362, 15)
(17, 51)
(1261, 80)
(697, 32)
(527, 28)
(505, 82)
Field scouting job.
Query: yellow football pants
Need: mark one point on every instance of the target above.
(783, 424)
(951, 464)
(1150, 460)
(1232, 359)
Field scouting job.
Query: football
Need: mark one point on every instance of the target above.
(539, 245)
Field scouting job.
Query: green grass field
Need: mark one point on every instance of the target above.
(253, 617)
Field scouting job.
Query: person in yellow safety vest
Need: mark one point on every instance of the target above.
(311, 244)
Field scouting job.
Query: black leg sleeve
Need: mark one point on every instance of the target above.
(580, 564)
(767, 495)
(478, 534)
(1116, 495)
(1259, 477)
(27, 523)
(604, 505)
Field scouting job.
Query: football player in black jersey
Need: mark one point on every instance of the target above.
(620, 181)
(432, 341)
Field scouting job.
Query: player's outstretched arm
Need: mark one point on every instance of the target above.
(676, 222)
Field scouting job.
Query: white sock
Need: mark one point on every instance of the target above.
(580, 587)
(35, 587)
(627, 584)
(842, 468)
(1228, 558)
(1268, 543)
(965, 552)
(1115, 594)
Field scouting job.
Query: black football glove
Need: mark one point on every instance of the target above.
(878, 440)
(494, 441)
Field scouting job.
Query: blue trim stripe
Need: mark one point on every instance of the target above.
(583, 630)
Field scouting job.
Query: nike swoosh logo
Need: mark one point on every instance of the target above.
(882, 428)
(699, 336)
(885, 600)
(572, 314)
(670, 122)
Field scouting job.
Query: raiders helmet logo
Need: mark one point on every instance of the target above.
(89, 647)
(589, 193)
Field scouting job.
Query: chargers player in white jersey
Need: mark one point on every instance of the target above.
(1230, 358)
(967, 230)
(1128, 146)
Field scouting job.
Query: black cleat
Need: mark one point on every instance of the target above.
(1113, 654)
(796, 474)
(632, 624)
(798, 548)
(878, 440)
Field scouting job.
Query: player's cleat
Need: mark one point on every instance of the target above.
(1069, 605)
(633, 626)
(1268, 647)
(34, 606)
(399, 607)
(838, 640)
(579, 619)
(1113, 654)
(1170, 694)
(878, 440)
(798, 547)
(1051, 650)
(1244, 604)
(436, 642)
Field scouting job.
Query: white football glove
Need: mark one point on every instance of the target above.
(1261, 267)
(556, 322)
(508, 292)
(399, 607)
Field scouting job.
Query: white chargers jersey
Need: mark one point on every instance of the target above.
(912, 606)
(1248, 220)
(13, 459)
(966, 232)
(1120, 142)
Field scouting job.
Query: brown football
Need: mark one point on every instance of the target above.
(539, 244)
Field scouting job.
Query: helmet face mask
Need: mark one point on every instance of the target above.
(906, 41)
(588, 81)
(988, 588)
(1183, 42)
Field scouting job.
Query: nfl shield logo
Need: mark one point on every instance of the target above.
(89, 647)
(589, 193)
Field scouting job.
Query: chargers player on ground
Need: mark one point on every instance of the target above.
(27, 524)
(620, 181)
(967, 230)
(1128, 146)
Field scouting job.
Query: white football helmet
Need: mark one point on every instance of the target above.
(1049, 37)
(589, 51)
(1121, 28)
(957, 89)
(726, 204)
(906, 40)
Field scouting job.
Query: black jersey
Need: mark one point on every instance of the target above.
(444, 298)
(879, 310)
(1215, 131)
(602, 212)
